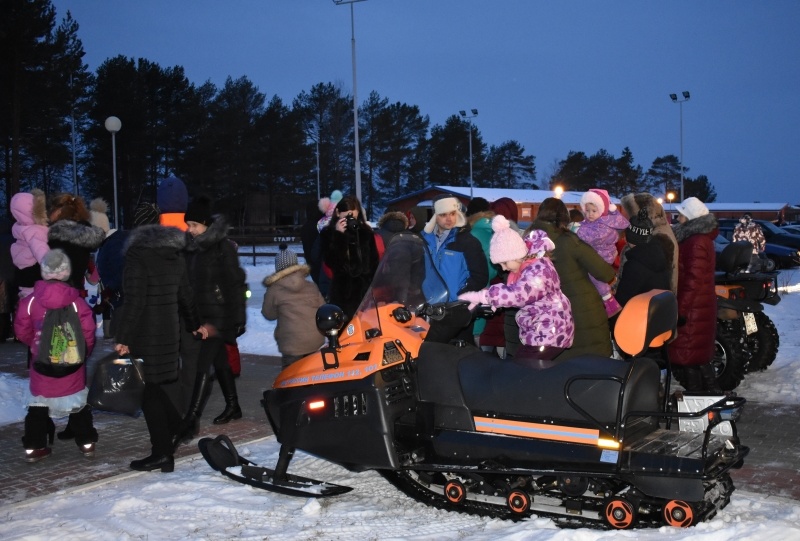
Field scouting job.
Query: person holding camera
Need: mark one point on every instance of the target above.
(350, 250)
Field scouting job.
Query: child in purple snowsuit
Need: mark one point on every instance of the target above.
(601, 229)
(545, 321)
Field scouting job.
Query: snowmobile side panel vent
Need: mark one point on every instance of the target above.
(363, 356)
(350, 405)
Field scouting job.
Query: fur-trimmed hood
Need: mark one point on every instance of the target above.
(80, 234)
(304, 271)
(155, 236)
(703, 225)
(631, 204)
(217, 231)
(29, 208)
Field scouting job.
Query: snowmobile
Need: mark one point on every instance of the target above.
(586, 442)
(747, 340)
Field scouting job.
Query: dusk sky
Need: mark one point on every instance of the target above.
(554, 75)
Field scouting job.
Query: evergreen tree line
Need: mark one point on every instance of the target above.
(234, 143)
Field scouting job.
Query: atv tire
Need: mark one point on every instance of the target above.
(730, 358)
(763, 344)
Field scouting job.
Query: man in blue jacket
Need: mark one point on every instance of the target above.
(459, 259)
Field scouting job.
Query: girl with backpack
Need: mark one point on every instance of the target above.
(56, 395)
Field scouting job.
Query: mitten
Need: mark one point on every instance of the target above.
(474, 298)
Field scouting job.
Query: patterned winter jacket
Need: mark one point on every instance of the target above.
(751, 232)
(545, 315)
(602, 234)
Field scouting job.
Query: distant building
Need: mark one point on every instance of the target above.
(528, 202)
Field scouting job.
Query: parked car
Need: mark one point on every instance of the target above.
(793, 229)
(783, 256)
(772, 233)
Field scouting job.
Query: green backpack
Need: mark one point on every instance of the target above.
(62, 346)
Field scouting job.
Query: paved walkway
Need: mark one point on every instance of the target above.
(771, 431)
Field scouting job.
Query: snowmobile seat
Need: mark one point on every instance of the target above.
(649, 320)
(595, 384)
(735, 257)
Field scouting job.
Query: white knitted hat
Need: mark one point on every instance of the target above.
(692, 208)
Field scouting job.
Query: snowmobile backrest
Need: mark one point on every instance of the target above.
(648, 320)
(735, 256)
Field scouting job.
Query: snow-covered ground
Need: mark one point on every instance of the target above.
(195, 502)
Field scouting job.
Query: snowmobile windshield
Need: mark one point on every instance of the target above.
(405, 275)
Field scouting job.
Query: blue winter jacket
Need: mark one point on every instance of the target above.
(460, 261)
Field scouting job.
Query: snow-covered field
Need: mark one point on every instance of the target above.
(195, 502)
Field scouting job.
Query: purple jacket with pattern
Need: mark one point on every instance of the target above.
(545, 315)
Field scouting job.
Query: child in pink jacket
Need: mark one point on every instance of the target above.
(30, 231)
(55, 396)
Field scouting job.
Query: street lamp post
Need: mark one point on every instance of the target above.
(113, 125)
(355, 93)
(674, 98)
(469, 119)
(670, 197)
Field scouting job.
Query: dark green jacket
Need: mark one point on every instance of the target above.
(575, 261)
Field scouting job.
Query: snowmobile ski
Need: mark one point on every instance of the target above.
(221, 455)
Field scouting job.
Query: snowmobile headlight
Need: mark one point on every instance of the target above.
(316, 405)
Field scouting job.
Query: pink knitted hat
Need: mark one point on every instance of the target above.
(506, 244)
(600, 199)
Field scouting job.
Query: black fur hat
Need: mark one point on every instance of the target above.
(200, 210)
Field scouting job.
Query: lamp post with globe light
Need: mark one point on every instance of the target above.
(113, 125)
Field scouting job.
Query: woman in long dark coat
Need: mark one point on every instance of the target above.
(693, 348)
(219, 289)
(157, 293)
(575, 261)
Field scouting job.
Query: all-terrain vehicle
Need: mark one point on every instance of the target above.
(587, 442)
(747, 340)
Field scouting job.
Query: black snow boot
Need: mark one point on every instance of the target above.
(39, 431)
(84, 430)
(228, 385)
(190, 425)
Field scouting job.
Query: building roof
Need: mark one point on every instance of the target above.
(573, 198)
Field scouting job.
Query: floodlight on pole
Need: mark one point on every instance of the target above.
(113, 125)
(469, 119)
(674, 98)
(355, 94)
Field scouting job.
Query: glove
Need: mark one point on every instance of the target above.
(474, 298)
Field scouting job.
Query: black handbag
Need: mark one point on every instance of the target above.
(117, 385)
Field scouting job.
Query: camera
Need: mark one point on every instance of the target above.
(351, 223)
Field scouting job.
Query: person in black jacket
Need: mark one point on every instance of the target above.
(157, 294)
(350, 250)
(219, 289)
(648, 260)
